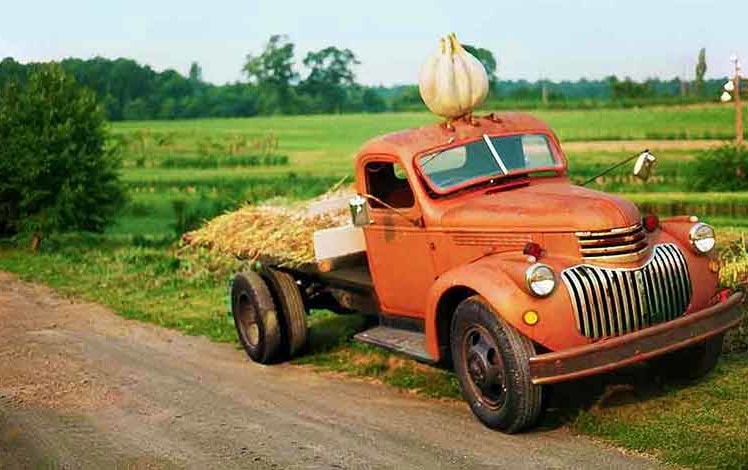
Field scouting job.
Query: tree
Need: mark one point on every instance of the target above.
(700, 72)
(272, 73)
(629, 89)
(329, 78)
(489, 62)
(196, 73)
(372, 101)
(56, 172)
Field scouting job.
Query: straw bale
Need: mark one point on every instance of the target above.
(280, 231)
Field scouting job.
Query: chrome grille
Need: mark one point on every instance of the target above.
(618, 244)
(611, 302)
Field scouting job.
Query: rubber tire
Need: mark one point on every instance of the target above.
(523, 403)
(288, 298)
(690, 363)
(252, 287)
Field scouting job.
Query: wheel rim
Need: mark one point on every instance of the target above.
(250, 330)
(484, 366)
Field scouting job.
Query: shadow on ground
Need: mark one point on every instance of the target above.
(331, 346)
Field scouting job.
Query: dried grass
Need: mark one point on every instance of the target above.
(281, 231)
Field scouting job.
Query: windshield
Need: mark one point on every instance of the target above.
(490, 156)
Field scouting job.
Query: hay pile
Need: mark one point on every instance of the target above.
(281, 231)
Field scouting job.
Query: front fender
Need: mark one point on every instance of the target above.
(500, 280)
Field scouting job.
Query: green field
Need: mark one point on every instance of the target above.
(179, 173)
(324, 144)
(217, 163)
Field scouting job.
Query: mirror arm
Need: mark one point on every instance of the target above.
(416, 222)
(611, 168)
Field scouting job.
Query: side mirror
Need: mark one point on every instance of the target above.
(644, 164)
(359, 211)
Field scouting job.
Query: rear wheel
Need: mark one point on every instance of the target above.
(255, 317)
(690, 363)
(491, 359)
(293, 313)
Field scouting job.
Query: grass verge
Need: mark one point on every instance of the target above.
(701, 425)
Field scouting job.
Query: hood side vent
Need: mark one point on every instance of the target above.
(490, 239)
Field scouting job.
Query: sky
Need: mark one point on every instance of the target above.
(531, 39)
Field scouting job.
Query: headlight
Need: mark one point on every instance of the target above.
(701, 237)
(541, 280)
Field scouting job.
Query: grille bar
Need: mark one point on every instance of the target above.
(619, 244)
(611, 302)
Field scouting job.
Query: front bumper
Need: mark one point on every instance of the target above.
(638, 346)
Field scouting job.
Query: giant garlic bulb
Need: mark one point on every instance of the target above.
(453, 82)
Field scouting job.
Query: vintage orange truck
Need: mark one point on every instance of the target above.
(481, 255)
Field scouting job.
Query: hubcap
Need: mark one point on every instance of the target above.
(484, 366)
(248, 320)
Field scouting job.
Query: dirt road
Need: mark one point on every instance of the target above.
(83, 388)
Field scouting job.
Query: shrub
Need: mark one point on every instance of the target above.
(723, 168)
(56, 171)
(734, 274)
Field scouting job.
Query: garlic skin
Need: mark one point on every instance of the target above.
(452, 82)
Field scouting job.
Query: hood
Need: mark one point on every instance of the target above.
(544, 207)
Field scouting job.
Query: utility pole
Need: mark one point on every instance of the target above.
(732, 92)
(544, 94)
(738, 106)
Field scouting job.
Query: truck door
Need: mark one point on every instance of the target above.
(397, 244)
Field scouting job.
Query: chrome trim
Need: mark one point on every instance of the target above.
(624, 244)
(692, 237)
(615, 301)
(530, 270)
(613, 231)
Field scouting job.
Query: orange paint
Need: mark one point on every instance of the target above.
(473, 239)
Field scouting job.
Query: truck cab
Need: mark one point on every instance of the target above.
(481, 254)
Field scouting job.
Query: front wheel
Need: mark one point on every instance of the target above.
(491, 359)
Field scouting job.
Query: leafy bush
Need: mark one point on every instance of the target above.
(56, 172)
(734, 274)
(723, 168)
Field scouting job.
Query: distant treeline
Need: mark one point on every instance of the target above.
(131, 91)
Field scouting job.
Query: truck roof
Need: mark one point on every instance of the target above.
(409, 142)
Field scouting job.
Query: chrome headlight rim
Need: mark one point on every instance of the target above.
(696, 236)
(531, 279)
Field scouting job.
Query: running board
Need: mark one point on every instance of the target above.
(407, 342)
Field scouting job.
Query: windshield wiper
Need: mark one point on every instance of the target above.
(495, 154)
(430, 158)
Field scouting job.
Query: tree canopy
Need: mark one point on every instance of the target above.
(273, 74)
(324, 81)
(489, 63)
(330, 77)
(700, 72)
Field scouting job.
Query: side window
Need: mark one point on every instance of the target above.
(387, 181)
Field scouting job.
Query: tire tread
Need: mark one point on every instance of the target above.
(291, 306)
(258, 293)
